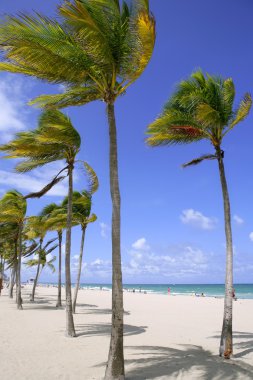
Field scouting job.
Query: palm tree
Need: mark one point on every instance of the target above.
(54, 139)
(13, 210)
(202, 109)
(36, 229)
(81, 215)
(98, 50)
(56, 221)
(42, 261)
(8, 239)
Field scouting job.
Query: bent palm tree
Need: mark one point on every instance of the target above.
(81, 211)
(8, 239)
(202, 109)
(54, 139)
(13, 210)
(56, 221)
(36, 229)
(100, 48)
(81, 215)
(42, 261)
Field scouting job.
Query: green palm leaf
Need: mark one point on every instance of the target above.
(200, 108)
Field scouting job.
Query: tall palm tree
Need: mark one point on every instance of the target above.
(98, 50)
(54, 139)
(13, 210)
(56, 221)
(202, 109)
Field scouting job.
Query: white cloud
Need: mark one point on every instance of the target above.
(13, 106)
(238, 219)
(251, 236)
(98, 268)
(105, 228)
(141, 244)
(175, 262)
(99, 263)
(197, 219)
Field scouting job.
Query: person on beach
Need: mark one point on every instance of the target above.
(168, 291)
(1, 283)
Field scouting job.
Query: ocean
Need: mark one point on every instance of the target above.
(242, 291)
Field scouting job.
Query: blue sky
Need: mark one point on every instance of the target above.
(172, 219)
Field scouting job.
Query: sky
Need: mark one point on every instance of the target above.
(172, 218)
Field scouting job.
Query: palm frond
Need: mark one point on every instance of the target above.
(146, 36)
(51, 249)
(243, 110)
(198, 160)
(45, 189)
(93, 183)
(32, 262)
(38, 46)
(98, 47)
(12, 207)
(90, 23)
(91, 219)
(200, 108)
(76, 96)
(54, 139)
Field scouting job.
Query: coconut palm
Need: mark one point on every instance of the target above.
(42, 261)
(13, 210)
(8, 238)
(81, 215)
(54, 139)
(8, 232)
(35, 229)
(98, 50)
(56, 221)
(202, 109)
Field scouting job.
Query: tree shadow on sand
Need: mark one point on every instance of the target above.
(246, 345)
(85, 305)
(243, 342)
(187, 362)
(103, 329)
(98, 311)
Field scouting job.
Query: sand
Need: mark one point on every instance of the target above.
(166, 337)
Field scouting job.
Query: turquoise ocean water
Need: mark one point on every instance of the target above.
(242, 291)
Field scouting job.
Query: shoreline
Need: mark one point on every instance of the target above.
(106, 287)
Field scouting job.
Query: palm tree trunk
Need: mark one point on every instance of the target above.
(37, 274)
(2, 271)
(14, 271)
(3, 267)
(18, 281)
(115, 365)
(59, 304)
(79, 269)
(70, 328)
(226, 341)
(12, 281)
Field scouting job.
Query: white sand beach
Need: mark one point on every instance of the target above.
(166, 337)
